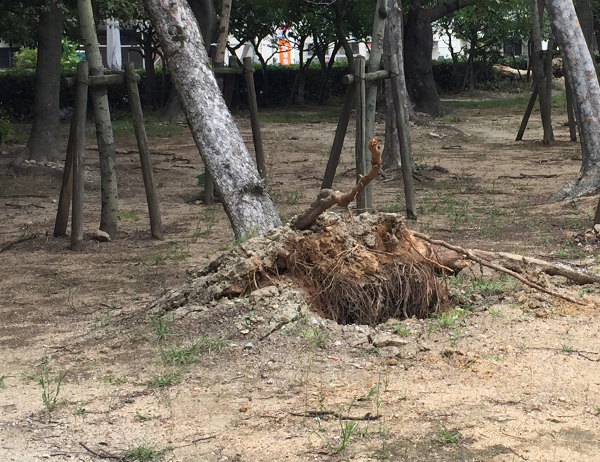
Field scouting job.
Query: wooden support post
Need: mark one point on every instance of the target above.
(145, 157)
(230, 81)
(360, 148)
(253, 105)
(570, 110)
(548, 132)
(405, 150)
(79, 114)
(66, 189)
(338, 140)
(534, 95)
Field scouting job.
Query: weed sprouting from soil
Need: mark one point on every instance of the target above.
(179, 355)
(144, 450)
(448, 437)
(50, 383)
(315, 337)
(166, 379)
(161, 325)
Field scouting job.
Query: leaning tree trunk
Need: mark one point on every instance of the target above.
(245, 199)
(392, 43)
(223, 32)
(205, 14)
(580, 72)
(43, 144)
(104, 132)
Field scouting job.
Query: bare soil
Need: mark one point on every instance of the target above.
(508, 375)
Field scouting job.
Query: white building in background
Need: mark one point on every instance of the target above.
(6, 55)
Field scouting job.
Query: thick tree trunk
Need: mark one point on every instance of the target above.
(585, 14)
(205, 14)
(393, 44)
(246, 202)
(581, 74)
(43, 144)
(104, 133)
(418, 43)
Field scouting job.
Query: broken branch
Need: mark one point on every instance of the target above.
(327, 198)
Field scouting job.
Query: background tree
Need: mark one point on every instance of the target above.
(39, 22)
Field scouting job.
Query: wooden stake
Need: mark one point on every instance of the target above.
(229, 83)
(79, 115)
(145, 157)
(338, 140)
(66, 189)
(253, 105)
(570, 110)
(527, 114)
(405, 150)
(364, 200)
(548, 132)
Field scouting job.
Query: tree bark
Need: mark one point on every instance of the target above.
(581, 74)
(341, 33)
(585, 13)
(392, 44)
(150, 89)
(537, 67)
(223, 31)
(104, 133)
(418, 43)
(43, 144)
(246, 202)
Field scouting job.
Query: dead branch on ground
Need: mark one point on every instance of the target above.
(10, 244)
(327, 198)
(470, 255)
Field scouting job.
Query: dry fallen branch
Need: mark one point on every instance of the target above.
(10, 244)
(470, 255)
(327, 198)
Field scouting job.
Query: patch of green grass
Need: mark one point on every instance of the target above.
(166, 379)
(154, 128)
(2, 377)
(79, 411)
(294, 197)
(449, 436)
(495, 313)
(315, 337)
(110, 378)
(567, 349)
(597, 410)
(568, 250)
(6, 130)
(400, 329)
(50, 383)
(347, 430)
(144, 450)
(161, 325)
(515, 101)
(327, 114)
(181, 355)
(142, 417)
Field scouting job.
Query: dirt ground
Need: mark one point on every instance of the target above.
(507, 375)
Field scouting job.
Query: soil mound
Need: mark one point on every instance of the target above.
(364, 270)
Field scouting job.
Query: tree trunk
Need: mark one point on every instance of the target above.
(537, 67)
(205, 15)
(392, 43)
(246, 202)
(341, 33)
(418, 43)
(323, 92)
(150, 90)
(585, 14)
(223, 31)
(104, 133)
(43, 144)
(581, 74)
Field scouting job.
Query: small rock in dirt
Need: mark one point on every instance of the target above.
(100, 236)
(387, 340)
(248, 346)
(265, 292)
(392, 362)
(370, 240)
(243, 409)
(245, 331)
(597, 229)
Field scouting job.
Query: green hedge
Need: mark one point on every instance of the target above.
(17, 87)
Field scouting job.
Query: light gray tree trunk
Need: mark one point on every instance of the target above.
(104, 133)
(581, 74)
(43, 144)
(245, 199)
(393, 44)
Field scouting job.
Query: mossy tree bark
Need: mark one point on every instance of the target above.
(581, 74)
(104, 133)
(246, 202)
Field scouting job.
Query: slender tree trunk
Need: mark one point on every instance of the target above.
(223, 31)
(581, 74)
(341, 33)
(43, 144)
(537, 67)
(150, 89)
(323, 92)
(245, 199)
(104, 133)
(392, 44)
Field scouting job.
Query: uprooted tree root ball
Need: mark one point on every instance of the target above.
(363, 270)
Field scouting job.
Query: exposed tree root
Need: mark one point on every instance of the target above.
(584, 184)
(471, 255)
